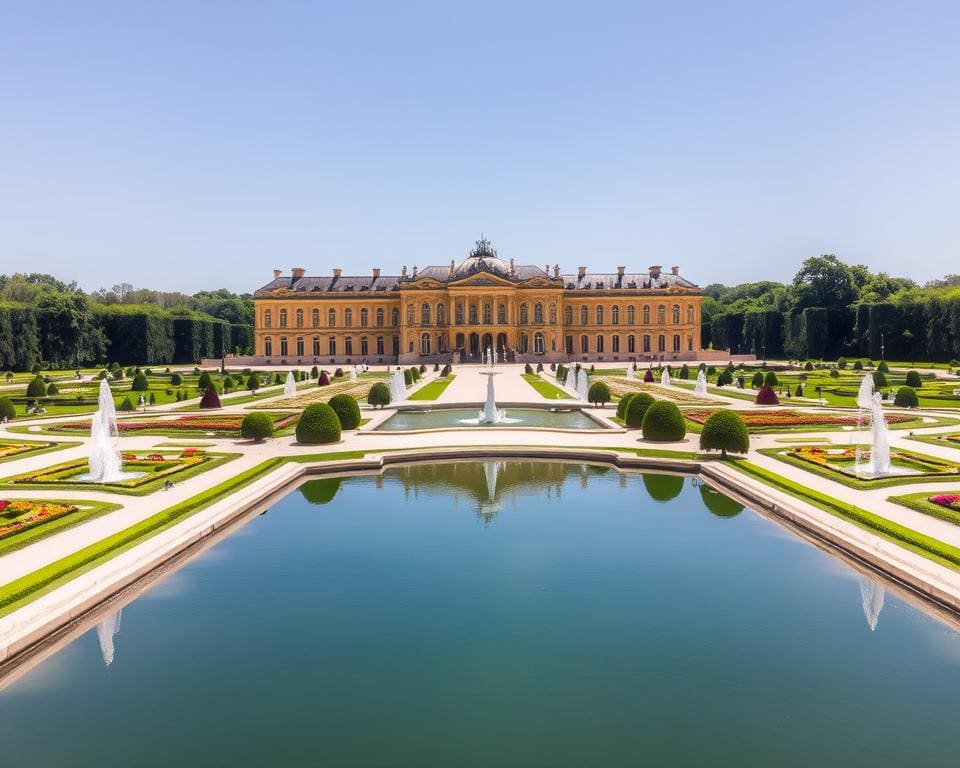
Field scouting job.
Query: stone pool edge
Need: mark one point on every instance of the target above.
(25, 631)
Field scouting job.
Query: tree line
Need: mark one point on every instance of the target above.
(832, 309)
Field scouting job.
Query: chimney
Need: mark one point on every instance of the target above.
(655, 271)
(556, 270)
(337, 272)
(451, 266)
(675, 270)
(277, 273)
(414, 271)
(403, 272)
(376, 273)
(581, 272)
(620, 271)
(513, 269)
(297, 272)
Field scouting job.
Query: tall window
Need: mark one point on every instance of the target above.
(615, 314)
(661, 315)
(395, 319)
(316, 346)
(676, 314)
(364, 317)
(331, 317)
(599, 314)
(584, 316)
(538, 345)
(299, 319)
(395, 346)
(599, 343)
(441, 314)
(473, 314)
(646, 343)
(689, 343)
(538, 313)
(315, 318)
(523, 314)
(267, 318)
(631, 315)
(487, 314)
(553, 314)
(364, 346)
(568, 318)
(379, 318)
(646, 314)
(425, 344)
(380, 345)
(268, 346)
(348, 346)
(616, 344)
(348, 318)
(283, 346)
(299, 346)
(458, 314)
(661, 343)
(584, 344)
(631, 344)
(283, 318)
(524, 343)
(676, 342)
(332, 346)
(410, 312)
(568, 344)
(690, 314)
(502, 313)
(424, 314)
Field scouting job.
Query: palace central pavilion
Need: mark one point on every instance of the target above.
(455, 313)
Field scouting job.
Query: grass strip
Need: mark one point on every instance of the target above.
(921, 544)
(433, 390)
(918, 503)
(544, 388)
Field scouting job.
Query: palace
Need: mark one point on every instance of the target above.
(451, 314)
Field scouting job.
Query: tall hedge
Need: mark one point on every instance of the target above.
(19, 337)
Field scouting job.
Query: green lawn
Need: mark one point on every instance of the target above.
(545, 388)
(433, 390)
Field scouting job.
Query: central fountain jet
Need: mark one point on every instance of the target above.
(490, 414)
(290, 385)
(870, 402)
(701, 388)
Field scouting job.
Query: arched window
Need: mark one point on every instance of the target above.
(348, 318)
(646, 314)
(524, 343)
(380, 345)
(584, 315)
(299, 318)
(441, 314)
(379, 317)
(615, 348)
(487, 313)
(631, 315)
(615, 315)
(267, 318)
(584, 344)
(425, 315)
(631, 344)
(501, 313)
(538, 313)
(458, 313)
(473, 314)
(523, 314)
(315, 318)
(348, 346)
(661, 343)
(332, 346)
(676, 314)
(283, 318)
(316, 346)
(283, 346)
(690, 314)
(599, 314)
(646, 342)
(364, 317)
(538, 345)
(425, 344)
(395, 320)
(661, 315)
(676, 342)
(268, 346)
(599, 343)
(299, 346)
(568, 315)
(410, 311)
(553, 314)
(331, 317)
(364, 346)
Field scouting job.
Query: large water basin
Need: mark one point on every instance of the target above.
(499, 613)
(516, 418)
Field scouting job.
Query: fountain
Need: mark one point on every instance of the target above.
(630, 372)
(105, 463)
(353, 375)
(871, 402)
(490, 414)
(398, 387)
(106, 631)
(665, 377)
(290, 385)
(701, 387)
(872, 593)
(583, 385)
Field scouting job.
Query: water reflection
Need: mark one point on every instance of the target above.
(107, 630)
(719, 503)
(872, 593)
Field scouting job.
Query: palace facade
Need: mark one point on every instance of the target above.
(453, 313)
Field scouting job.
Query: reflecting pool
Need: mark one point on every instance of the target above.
(516, 418)
(499, 613)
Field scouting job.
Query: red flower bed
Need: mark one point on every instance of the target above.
(948, 500)
(224, 423)
(790, 418)
(29, 514)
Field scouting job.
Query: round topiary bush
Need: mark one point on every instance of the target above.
(883, 367)
(35, 368)
(37, 387)
(323, 380)
(126, 405)
(623, 404)
(338, 374)
(205, 381)
(770, 379)
(7, 409)
(767, 396)
(637, 409)
(379, 395)
(318, 424)
(914, 380)
(210, 398)
(879, 379)
(906, 397)
(347, 410)
(808, 366)
(176, 379)
(140, 383)
(841, 363)
(648, 376)
(954, 363)
(53, 389)
(663, 422)
(256, 426)
(834, 373)
(725, 431)
(408, 377)
(253, 382)
(857, 365)
(757, 381)
(599, 393)
(725, 377)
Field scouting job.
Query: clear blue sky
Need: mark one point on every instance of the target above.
(200, 144)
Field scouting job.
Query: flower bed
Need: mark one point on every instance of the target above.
(154, 466)
(760, 419)
(948, 500)
(12, 449)
(228, 424)
(844, 460)
(19, 515)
